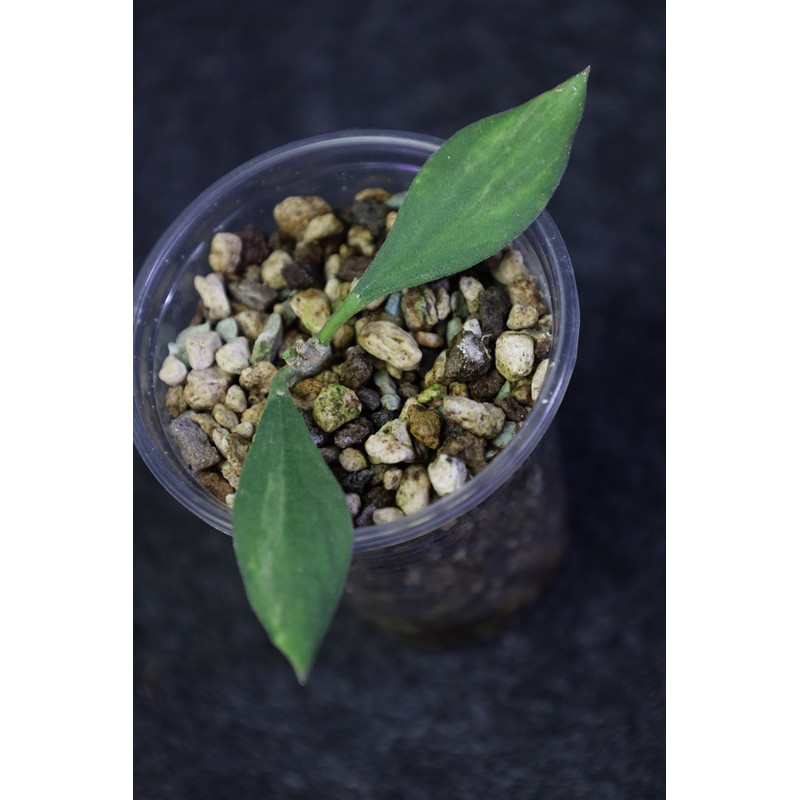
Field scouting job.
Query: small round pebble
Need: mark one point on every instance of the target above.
(272, 269)
(391, 478)
(236, 399)
(257, 379)
(471, 290)
(413, 493)
(352, 460)
(322, 226)
(224, 416)
(293, 214)
(482, 419)
(246, 429)
(225, 252)
(312, 307)
(234, 356)
(173, 371)
(206, 387)
(447, 474)
(227, 329)
(390, 343)
(386, 514)
(391, 444)
(510, 268)
(201, 349)
(514, 354)
(521, 317)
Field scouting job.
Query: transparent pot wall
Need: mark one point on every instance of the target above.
(468, 575)
(467, 559)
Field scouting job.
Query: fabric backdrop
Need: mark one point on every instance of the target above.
(568, 702)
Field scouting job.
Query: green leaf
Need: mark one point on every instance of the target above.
(480, 190)
(292, 532)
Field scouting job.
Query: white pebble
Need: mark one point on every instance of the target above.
(514, 354)
(245, 429)
(537, 381)
(352, 460)
(226, 252)
(322, 226)
(472, 325)
(413, 493)
(391, 444)
(201, 349)
(471, 289)
(224, 416)
(235, 399)
(353, 503)
(206, 387)
(482, 419)
(447, 474)
(390, 343)
(510, 268)
(234, 357)
(312, 307)
(173, 371)
(271, 269)
(294, 213)
(521, 317)
(387, 514)
(212, 292)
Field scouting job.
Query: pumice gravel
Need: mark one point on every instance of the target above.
(423, 388)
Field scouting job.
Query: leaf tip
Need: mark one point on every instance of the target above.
(301, 666)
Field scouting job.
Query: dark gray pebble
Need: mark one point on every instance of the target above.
(356, 481)
(195, 447)
(467, 358)
(484, 388)
(493, 309)
(354, 433)
(370, 399)
(253, 294)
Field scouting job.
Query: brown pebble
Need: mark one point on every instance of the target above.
(486, 386)
(353, 433)
(513, 410)
(357, 368)
(215, 484)
(254, 246)
(353, 267)
(471, 449)
(175, 401)
(425, 425)
(306, 392)
(299, 276)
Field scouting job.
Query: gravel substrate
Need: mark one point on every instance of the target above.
(423, 388)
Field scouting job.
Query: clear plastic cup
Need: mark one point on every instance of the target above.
(468, 560)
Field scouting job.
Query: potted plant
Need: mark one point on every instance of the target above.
(477, 553)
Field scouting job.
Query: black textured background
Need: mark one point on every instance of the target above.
(569, 701)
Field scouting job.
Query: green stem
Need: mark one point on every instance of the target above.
(351, 306)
